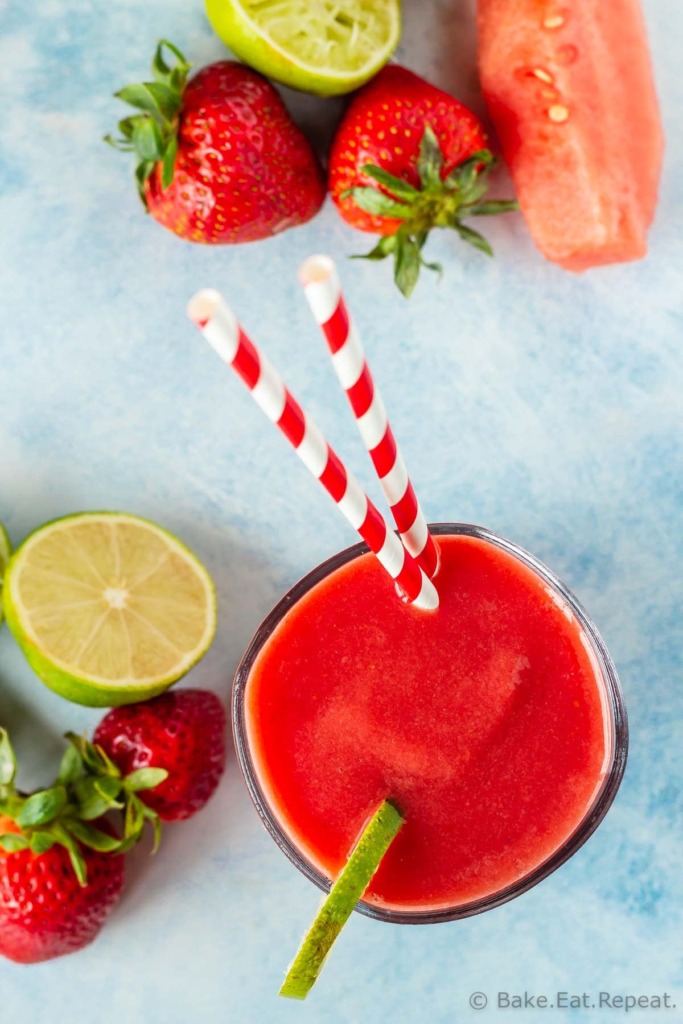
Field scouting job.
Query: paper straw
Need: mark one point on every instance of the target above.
(221, 329)
(319, 277)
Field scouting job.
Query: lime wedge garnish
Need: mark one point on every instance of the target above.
(5, 551)
(337, 907)
(108, 608)
(322, 46)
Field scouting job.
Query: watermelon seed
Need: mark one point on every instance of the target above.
(544, 76)
(558, 113)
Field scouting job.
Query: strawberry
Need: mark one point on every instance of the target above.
(44, 911)
(219, 158)
(407, 158)
(181, 731)
(60, 870)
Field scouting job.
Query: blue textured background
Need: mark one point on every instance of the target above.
(543, 405)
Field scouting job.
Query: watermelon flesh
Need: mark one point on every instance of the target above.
(570, 91)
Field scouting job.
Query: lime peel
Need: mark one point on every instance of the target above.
(337, 907)
(5, 551)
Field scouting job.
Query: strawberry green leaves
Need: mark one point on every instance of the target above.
(430, 160)
(71, 766)
(152, 133)
(93, 837)
(96, 796)
(10, 801)
(396, 186)
(103, 788)
(8, 762)
(42, 807)
(89, 785)
(145, 778)
(13, 842)
(439, 202)
(372, 201)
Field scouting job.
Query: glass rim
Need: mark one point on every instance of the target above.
(602, 799)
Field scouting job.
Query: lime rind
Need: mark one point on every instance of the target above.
(64, 677)
(328, 47)
(5, 552)
(337, 907)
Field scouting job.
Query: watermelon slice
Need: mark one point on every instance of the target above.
(570, 90)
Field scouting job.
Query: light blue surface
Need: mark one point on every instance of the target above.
(543, 405)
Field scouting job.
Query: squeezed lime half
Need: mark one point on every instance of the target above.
(326, 47)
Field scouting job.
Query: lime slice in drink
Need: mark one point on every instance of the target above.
(337, 907)
(326, 47)
(108, 608)
(4, 558)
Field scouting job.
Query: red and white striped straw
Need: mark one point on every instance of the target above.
(319, 277)
(221, 329)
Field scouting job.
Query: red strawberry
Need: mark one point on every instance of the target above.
(183, 732)
(219, 158)
(406, 158)
(61, 870)
(44, 911)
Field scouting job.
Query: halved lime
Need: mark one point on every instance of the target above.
(336, 908)
(326, 47)
(5, 549)
(108, 608)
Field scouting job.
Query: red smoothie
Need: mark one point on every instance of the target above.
(487, 722)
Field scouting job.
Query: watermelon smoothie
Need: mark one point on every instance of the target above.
(495, 724)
